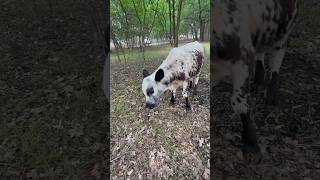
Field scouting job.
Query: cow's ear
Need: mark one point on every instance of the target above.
(159, 75)
(145, 73)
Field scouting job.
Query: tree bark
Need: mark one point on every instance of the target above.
(178, 24)
(174, 23)
(170, 22)
(201, 22)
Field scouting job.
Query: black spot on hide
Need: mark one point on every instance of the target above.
(182, 76)
(159, 75)
(150, 91)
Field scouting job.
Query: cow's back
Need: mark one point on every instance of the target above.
(250, 26)
(186, 60)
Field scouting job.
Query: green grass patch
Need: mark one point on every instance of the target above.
(157, 53)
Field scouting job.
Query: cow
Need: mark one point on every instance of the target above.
(181, 68)
(242, 33)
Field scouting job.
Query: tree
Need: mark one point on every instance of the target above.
(174, 17)
(134, 21)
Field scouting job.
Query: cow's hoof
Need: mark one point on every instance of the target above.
(259, 76)
(172, 103)
(252, 153)
(252, 149)
(272, 100)
(188, 108)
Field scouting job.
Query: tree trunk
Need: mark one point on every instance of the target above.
(127, 37)
(174, 28)
(117, 47)
(170, 22)
(142, 23)
(178, 24)
(195, 30)
(201, 23)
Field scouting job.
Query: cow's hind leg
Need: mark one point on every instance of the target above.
(273, 87)
(240, 76)
(195, 88)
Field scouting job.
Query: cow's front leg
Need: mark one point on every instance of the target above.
(273, 86)
(260, 70)
(239, 98)
(185, 94)
(173, 97)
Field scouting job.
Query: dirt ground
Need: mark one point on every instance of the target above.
(160, 143)
(53, 115)
(289, 134)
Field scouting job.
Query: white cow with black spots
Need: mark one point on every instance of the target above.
(181, 68)
(242, 33)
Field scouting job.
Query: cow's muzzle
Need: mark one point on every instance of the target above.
(150, 105)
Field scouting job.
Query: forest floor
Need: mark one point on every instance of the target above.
(289, 134)
(53, 114)
(164, 142)
(54, 122)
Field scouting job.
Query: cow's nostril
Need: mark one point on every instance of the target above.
(150, 106)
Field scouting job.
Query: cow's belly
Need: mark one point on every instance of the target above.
(175, 85)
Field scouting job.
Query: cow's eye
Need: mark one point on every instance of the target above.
(150, 91)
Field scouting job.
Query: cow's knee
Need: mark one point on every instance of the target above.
(239, 102)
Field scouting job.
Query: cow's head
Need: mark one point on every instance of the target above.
(153, 86)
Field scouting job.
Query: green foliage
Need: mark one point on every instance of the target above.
(150, 18)
(192, 11)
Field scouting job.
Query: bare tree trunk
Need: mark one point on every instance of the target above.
(106, 68)
(127, 21)
(195, 30)
(118, 47)
(202, 31)
(174, 23)
(142, 26)
(163, 26)
(176, 36)
(170, 22)
(201, 23)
